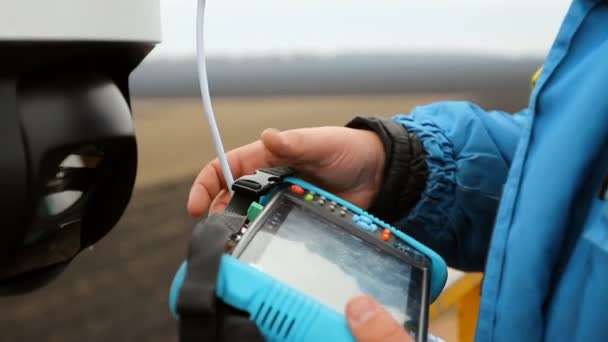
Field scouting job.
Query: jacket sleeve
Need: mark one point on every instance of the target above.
(467, 153)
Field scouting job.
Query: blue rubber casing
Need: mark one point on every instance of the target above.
(283, 313)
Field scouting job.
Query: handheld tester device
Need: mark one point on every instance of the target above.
(303, 253)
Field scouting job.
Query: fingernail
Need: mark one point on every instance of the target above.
(282, 136)
(270, 131)
(272, 136)
(360, 310)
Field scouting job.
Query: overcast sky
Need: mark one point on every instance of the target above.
(327, 27)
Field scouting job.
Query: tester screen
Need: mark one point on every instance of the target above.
(330, 264)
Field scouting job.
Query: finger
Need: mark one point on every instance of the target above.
(220, 202)
(307, 147)
(370, 322)
(206, 187)
(210, 181)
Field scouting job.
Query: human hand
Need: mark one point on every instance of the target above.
(347, 162)
(370, 322)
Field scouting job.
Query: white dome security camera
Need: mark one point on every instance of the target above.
(68, 153)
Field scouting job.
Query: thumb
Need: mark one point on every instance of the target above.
(370, 322)
(304, 145)
(278, 143)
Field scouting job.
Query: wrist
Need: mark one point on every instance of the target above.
(401, 179)
(376, 156)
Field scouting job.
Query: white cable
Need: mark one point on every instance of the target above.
(204, 84)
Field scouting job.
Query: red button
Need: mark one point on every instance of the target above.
(297, 190)
(386, 235)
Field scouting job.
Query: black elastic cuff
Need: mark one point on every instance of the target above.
(405, 170)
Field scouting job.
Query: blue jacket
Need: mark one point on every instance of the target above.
(523, 190)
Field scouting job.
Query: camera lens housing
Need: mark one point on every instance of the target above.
(68, 152)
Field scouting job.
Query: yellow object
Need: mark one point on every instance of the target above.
(468, 311)
(535, 77)
(464, 296)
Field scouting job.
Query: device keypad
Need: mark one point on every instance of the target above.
(365, 223)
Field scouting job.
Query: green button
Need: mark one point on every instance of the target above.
(309, 198)
(255, 209)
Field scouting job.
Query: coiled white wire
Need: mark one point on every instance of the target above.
(206, 96)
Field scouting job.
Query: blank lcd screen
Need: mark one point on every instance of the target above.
(315, 256)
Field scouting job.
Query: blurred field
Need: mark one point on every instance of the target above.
(118, 291)
(174, 139)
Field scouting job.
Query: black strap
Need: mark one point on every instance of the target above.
(250, 188)
(203, 317)
(197, 304)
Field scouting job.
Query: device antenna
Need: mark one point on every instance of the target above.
(206, 96)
